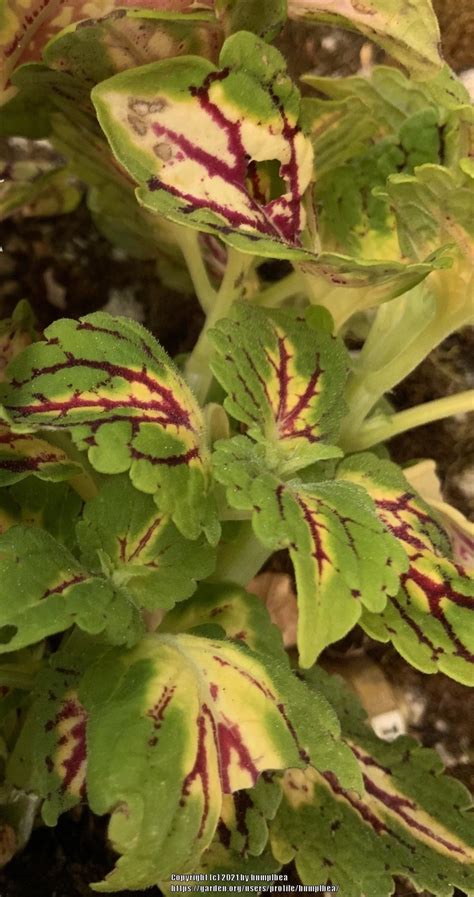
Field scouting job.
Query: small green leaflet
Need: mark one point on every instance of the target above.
(109, 383)
(123, 532)
(176, 723)
(431, 619)
(411, 821)
(52, 591)
(343, 558)
(95, 49)
(239, 614)
(284, 380)
(433, 206)
(219, 150)
(407, 31)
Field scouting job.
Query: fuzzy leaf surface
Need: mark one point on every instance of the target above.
(411, 820)
(109, 383)
(430, 620)
(343, 558)
(284, 380)
(408, 32)
(44, 590)
(123, 532)
(219, 150)
(241, 615)
(177, 723)
(23, 455)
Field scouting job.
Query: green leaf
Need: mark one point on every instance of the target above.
(264, 17)
(343, 558)
(23, 455)
(16, 333)
(27, 25)
(408, 32)
(430, 620)
(44, 590)
(411, 821)
(123, 532)
(109, 383)
(240, 842)
(241, 615)
(284, 380)
(53, 506)
(216, 150)
(95, 49)
(176, 723)
(433, 206)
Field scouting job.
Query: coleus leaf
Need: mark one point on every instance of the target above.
(430, 620)
(433, 205)
(95, 49)
(264, 17)
(241, 838)
(176, 723)
(23, 455)
(109, 383)
(123, 532)
(408, 33)
(51, 193)
(52, 591)
(196, 137)
(411, 821)
(284, 380)
(54, 507)
(16, 333)
(343, 558)
(240, 615)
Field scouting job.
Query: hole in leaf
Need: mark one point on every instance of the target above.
(7, 633)
(263, 180)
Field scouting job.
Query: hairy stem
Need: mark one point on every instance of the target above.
(197, 370)
(381, 427)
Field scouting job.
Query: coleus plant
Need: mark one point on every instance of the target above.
(141, 494)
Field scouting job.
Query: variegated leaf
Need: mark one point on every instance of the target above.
(408, 31)
(44, 590)
(411, 820)
(96, 49)
(284, 380)
(109, 383)
(123, 532)
(241, 615)
(240, 844)
(175, 724)
(344, 560)
(219, 150)
(431, 619)
(23, 455)
(16, 333)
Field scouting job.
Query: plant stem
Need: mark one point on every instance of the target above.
(276, 294)
(188, 241)
(240, 560)
(197, 370)
(382, 427)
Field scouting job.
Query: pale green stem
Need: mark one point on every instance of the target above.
(377, 375)
(188, 242)
(341, 302)
(381, 427)
(197, 369)
(275, 295)
(240, 560)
